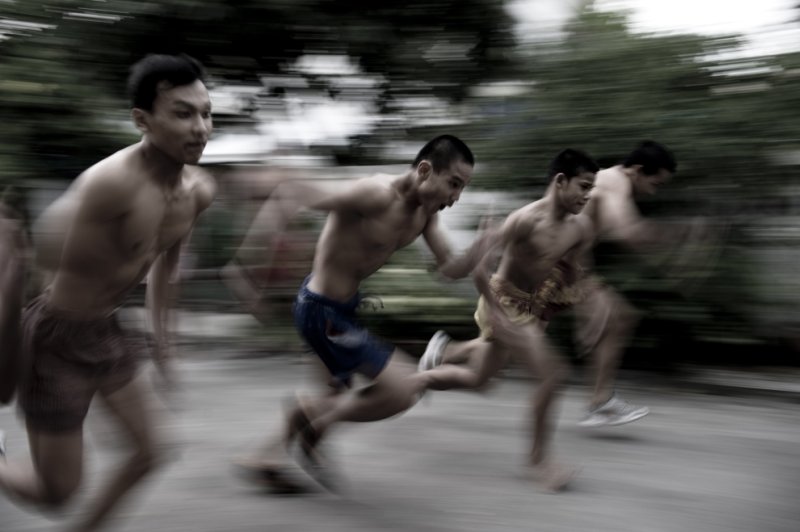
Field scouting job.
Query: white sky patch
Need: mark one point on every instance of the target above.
(703, 16)
(767, 24)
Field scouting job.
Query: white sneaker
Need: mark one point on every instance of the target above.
(434, 352)
(613, 412)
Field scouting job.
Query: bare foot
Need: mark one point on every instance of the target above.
(551, 476)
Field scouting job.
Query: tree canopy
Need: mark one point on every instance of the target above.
(63, 62)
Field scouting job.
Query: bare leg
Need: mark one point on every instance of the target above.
(607, 321)
(607, 356)
(462, 352)
(272, 454)
(55, 473)
(467, 365)
(544, 362)
(132, 407)
(394, 390)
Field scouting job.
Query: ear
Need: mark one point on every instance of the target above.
(140, 119)
(424, 169)
(560, 179)
(637, 169)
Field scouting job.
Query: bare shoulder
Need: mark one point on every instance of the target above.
(378, 185)
(611, 181)
(201, 185)
(585, 226)
(523, 221)
(108, 187)
(533, 213)
(374, 193)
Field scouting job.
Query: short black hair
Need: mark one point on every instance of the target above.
(571, 163)
(442, 151)
(147, 73)
(652, 156)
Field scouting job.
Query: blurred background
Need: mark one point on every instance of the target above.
(323, 89)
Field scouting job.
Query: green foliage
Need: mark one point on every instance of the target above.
(63, 63)
(604, 88)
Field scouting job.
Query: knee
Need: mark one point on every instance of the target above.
(480, 381)
(403, 398)
(409, 398)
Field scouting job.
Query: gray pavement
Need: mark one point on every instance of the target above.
(698, 462)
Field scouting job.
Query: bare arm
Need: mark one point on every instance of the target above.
(504, 331)
(499, 239)
(160, 287)
(619, 220)
(361, 197)
(12, 284)
(163, 278)
(450, 266)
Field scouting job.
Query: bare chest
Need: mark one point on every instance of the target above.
(549, 244)
(391, 230)
(155, 223)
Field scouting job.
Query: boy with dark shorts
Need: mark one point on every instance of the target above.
(331, 329)
(368, 221)
(121, 219)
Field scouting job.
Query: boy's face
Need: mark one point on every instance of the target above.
(443, 189)
(575, 192)
(647, 185)
(180, 122)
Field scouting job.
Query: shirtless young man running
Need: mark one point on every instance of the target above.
(368, 221)
(122, 218)
(539, 273)
(605, 320)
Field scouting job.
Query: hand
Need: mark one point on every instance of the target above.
(505, 332)
(164, 360)
(697, 256)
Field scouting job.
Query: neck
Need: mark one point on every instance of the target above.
(557, 212)
(407, 186)
(159, 165)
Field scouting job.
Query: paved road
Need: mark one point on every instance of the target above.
(699, 462)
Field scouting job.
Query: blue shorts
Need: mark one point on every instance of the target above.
(330, 328)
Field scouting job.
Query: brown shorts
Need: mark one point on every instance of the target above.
(71, 360)
(556, 293)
